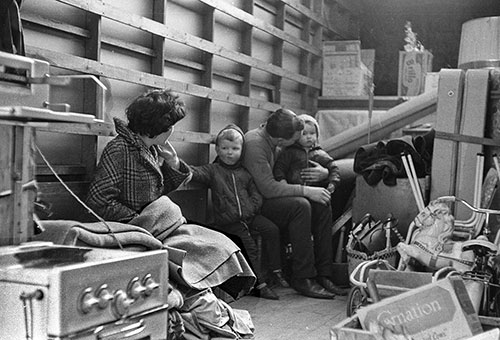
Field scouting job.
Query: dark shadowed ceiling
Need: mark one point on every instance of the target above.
(438, 25)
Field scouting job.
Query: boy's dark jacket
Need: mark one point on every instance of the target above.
(234, 194)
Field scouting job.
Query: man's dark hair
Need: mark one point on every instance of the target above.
(154, 112)
(283, 123)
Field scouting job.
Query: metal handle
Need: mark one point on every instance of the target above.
(123, 332)
(17, 61)
(65, 79)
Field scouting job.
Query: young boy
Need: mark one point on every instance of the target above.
(237, 203)
(304, 154)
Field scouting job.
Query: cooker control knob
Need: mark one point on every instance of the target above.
(121, 303)
(150, 284)
(87, 301)
(104, 296)
(135, 288)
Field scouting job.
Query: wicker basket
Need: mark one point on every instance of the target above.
(355, 257)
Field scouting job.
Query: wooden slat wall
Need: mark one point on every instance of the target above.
(232, 61)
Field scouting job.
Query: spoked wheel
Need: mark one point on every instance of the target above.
(357, 298)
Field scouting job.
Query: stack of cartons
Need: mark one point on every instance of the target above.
(344, 74)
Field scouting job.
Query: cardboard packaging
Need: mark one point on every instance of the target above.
(431, 81)
(439, 310)
(413, 66)
(344, 74)
(492, 334)
(368, 58)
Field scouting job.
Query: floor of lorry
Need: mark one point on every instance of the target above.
(293, 316)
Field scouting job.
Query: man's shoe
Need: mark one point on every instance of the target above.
(311, 288)
(329, 286)
(268, 293)
(280, 279)
(265, 293)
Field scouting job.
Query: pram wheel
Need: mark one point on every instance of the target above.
(357, 298)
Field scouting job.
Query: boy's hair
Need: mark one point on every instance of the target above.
(229, 134)
(283, 123)
(154, 112)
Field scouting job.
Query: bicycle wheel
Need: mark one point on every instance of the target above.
(357, 298)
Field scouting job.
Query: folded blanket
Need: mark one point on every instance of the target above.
(161, 217)
(202, 258)
(199, 257)
(97, 234)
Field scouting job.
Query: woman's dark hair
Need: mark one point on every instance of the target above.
(283, 123)
(154, 112)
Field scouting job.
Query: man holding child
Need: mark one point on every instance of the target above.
(303, 211)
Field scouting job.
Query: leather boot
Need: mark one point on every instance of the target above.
(311, 288)
(331, 287)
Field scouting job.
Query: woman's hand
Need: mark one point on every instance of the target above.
(168, 153)
(314, 174)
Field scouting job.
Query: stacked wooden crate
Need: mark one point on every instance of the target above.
(17, 183)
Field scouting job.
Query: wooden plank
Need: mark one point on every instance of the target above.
(158, 60)
(278, 52)
(23, 173)
(399, 116)
(466, 139)
(399, 279)
(97, 128)
(449, 114)
(192, 137)
(359, 102)
(474, 107)
(296, 5)
(249, 19)
(88, 66)
(31, 113)
(6, 187)
(350, 329)
(341, 221)
(247, 37)
(131, 47)
(187, 39)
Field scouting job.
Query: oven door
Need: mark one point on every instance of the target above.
(150, 325)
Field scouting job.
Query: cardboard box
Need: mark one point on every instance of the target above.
(344, 74)
(492, 334)
(347, 82)
(413, 66)
(439, 310)
(341, 46)
(350, 328)
(368, 58)
(431, 81)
